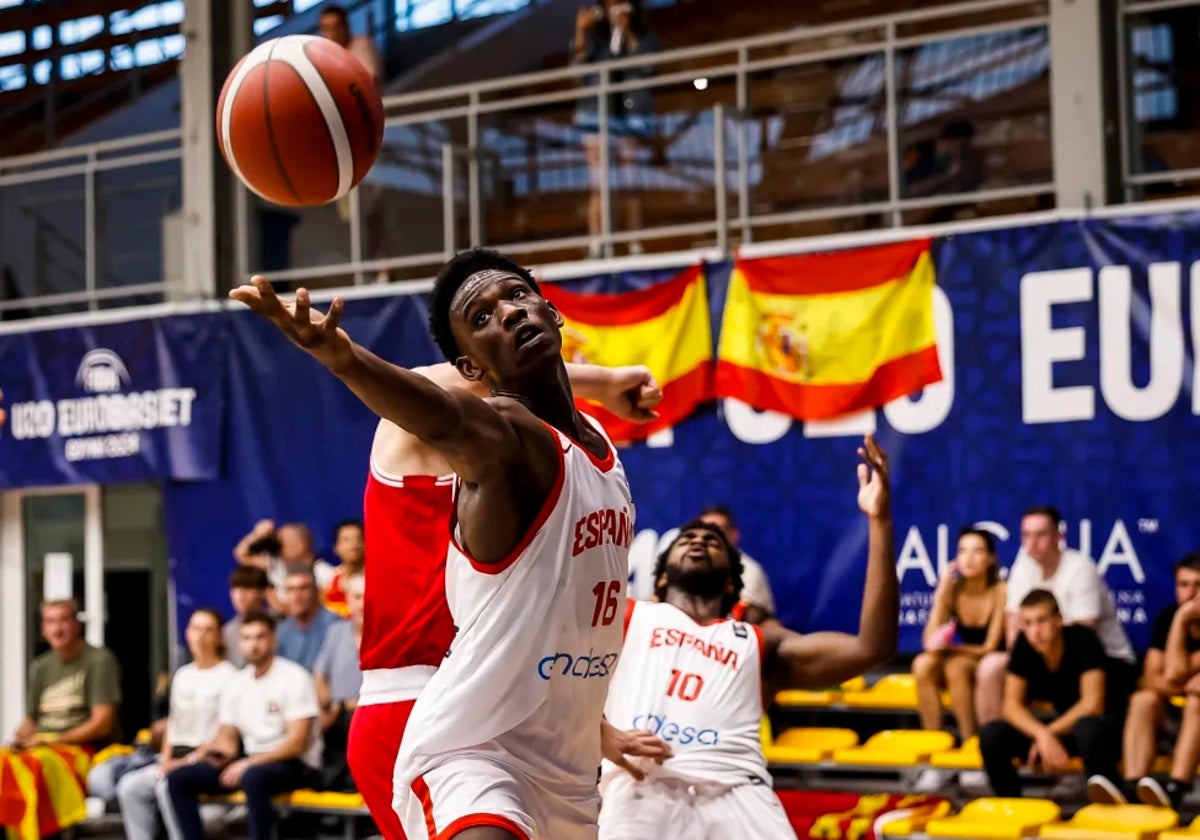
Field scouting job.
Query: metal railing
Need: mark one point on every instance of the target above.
(804, 132)
(64, 245)
(1160, 144)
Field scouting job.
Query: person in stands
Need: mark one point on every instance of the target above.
(965, 624)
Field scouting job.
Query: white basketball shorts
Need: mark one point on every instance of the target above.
(664, 807)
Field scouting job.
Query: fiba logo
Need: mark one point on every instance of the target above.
(101, 371)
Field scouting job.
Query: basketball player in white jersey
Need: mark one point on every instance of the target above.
(698, 680)
(504, 740)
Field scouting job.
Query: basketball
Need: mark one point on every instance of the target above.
(300, 120)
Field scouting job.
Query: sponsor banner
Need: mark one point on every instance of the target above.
(114, 402)
(1067, 355)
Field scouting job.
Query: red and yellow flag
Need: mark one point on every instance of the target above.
(818, 336)
(664, 327)
(42, 790)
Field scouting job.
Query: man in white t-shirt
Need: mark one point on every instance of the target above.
(1083, 598)
(756, 589)
(271, 707)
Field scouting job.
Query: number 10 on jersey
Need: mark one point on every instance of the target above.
(606, 592)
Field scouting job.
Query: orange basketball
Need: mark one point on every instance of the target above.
(300, 120)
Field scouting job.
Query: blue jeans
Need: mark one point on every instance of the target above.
(185, 786)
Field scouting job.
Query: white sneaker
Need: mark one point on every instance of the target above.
(95, 807)
(973, 780)
(1101, 790)
(934, 781)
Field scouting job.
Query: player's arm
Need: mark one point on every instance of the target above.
(630, 392)
(475, 436)
(816, 660)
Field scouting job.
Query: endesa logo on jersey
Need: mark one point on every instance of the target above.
(587, 666)
(674, 733)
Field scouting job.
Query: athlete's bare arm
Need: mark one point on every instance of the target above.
(630, 393)
(817, 660)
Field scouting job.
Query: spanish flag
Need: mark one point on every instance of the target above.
(818, 336)
(665, 327)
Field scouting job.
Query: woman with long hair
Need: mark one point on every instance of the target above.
(966, 622)
(192, 721)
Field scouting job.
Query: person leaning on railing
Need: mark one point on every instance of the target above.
(605, 31)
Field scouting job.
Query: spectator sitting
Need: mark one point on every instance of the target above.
(966, 623)
(303, 633)
(271, 706)
(604, 31)
(74, 688)
(192, 721)
(338, 680)
(348, 547)
(756, 590)
(248, 587)
(73, 693)
(335, 25)
(1064, 666)
(1083, 598)
(276, 551)
(1172, 667)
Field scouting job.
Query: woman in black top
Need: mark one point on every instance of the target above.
(966, 622)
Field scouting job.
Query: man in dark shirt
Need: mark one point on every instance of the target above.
(1063, 666)
(1166, 672)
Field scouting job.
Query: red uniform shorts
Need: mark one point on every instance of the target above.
(375, 734)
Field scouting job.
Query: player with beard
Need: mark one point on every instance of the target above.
(698, 680)
(504, 740)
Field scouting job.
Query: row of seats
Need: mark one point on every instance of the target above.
(892, 692)
(1012, 819)
(893, 749)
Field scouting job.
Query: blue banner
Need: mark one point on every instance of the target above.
(1067, 350)
(110, 403)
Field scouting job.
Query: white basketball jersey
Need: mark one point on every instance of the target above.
(696, 686)
(538, 639)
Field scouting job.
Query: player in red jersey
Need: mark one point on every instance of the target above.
(407, 626)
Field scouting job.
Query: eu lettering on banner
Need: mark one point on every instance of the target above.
(117, 402)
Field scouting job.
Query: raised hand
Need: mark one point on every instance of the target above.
(632, 394)
(874, 485)
(317, 334)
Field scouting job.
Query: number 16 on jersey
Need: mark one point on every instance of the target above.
(606, 592)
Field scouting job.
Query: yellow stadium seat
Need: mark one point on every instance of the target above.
(895, 748)
(808, 745)
(966, 757)
(144, 736)
(1189, 833)
(894, 691)
(325, 800)
(899, 824)
(796, 698)
(1113, 822)
(996, 818)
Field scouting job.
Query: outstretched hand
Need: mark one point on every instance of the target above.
(632, 394)
(874, 485)
(307, 328)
